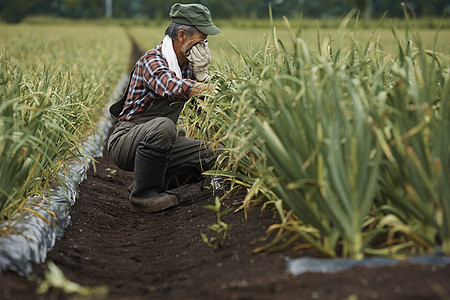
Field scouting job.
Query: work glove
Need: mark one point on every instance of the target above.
(200, 56)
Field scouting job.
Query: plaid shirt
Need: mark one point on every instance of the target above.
(152, 80)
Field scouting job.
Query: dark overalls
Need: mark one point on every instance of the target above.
(157, 127)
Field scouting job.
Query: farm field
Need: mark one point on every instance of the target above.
(255, 38)
(266, 94)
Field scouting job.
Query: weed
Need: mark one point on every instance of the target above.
(55, 282)
(220, 228)
(111, 174)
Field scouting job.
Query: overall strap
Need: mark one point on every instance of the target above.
(117, 107)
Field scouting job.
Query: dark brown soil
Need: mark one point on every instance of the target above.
(162, 255)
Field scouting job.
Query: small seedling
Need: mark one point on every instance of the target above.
(220, 228)
(55, 282)
(112, 173)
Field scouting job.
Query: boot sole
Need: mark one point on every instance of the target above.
(135, 208)
(154, 208)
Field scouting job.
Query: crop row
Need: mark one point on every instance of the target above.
(54, 83)
(348, 141)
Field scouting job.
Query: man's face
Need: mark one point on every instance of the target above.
(190, 41)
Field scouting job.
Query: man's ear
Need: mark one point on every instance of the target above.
(181, 35)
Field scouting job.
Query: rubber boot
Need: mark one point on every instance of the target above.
(180, 175)
(150, 166)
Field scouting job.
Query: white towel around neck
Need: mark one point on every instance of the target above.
(170, 56)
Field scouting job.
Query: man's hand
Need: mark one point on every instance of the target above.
(201, 58)
(201, 88)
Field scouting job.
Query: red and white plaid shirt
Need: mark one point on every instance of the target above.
(152, 80)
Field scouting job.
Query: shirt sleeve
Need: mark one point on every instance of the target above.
(163, 81)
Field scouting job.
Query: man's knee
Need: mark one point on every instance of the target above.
(162, 133)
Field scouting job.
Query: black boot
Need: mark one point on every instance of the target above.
(183, 174)
(189, 172)
(150, 167)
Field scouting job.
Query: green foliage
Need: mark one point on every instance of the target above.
(352, 139)
(111, 173)
(415, 177)
(54, 83)
(220, 228)
(55, 282)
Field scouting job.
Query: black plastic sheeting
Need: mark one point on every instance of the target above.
(33, 236)
(311, 264)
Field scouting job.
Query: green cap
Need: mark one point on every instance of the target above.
(196, 15)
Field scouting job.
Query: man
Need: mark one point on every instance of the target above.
(145, 137)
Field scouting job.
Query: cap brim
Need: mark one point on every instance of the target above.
(209, 30)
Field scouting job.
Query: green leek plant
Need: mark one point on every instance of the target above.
(23, 153)
(54, 83)
(415, 181)
(352, 140)
(316, 129)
